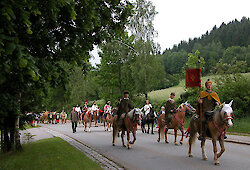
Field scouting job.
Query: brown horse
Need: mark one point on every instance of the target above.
(127, 122)
(178, 120)
(217, 126)
(95, 117)
(87, 119)
(45, 118)
(109, 121)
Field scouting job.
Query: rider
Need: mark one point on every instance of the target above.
(125, 105)
(207, 101)
(170, 108)
(94, 108)
(107, 109)
(147, 107)
(85, 107)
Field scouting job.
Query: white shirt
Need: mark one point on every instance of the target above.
(147, 108)
(78, 109)
(94, 107)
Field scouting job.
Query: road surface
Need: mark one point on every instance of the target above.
(147, 153)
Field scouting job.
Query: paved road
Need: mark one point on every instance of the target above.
(147, 153)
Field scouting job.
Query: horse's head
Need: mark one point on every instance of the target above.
(226, 114)
(187, 107)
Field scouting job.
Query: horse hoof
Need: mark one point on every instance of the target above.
(217, 163)
(190, 155)
(113, 144)
(205, 159)
(166, 141)
(175, 143)
(158, 140)
(181, 142)
(152, 133)
(128, 147)
(124, 145)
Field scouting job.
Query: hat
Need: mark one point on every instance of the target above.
(208, 81)
(126, 92)
(86, 101)
(172, 93)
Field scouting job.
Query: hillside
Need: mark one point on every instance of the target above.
(163, 95)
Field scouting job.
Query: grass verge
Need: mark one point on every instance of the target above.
(52, 153)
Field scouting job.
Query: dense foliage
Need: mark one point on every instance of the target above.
(35, 36)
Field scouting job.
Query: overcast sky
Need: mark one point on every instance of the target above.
(183, 19)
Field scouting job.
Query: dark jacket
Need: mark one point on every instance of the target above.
(74, 116)
(170, 106)
(124, 106)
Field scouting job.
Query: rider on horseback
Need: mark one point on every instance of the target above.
(107, 109)
(147, 107)
(207, 102)
(124, 106)
(170, 109)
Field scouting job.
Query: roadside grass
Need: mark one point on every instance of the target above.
(28, 126)
(52, 153)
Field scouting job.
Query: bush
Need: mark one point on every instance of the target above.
(235, 87)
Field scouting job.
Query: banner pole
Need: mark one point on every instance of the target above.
(201, 115)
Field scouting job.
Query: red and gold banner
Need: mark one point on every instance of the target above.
(193, 77)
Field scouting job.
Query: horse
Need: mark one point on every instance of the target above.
(108, 118)
(45, 117)
(147, 119)
(217, 125)
(95, 117)
(127, 122)
(87, 119)
(177, 122)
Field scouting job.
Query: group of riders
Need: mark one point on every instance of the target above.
(207, 101)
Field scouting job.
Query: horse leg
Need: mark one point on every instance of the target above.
(182, 135)
(122, 136)
(166, 135)
(204, 156)
(216, 162)
(134, 135)
(152, 131)
(128, 138)
(89, 124)
(221, 141)
(175, 136)
(148, 129)
(159, 133)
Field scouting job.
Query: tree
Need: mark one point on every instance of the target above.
(35, 36)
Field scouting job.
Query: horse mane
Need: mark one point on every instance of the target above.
(131, 113)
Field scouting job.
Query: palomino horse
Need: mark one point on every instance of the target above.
(149, 118)
(45, 118)
(217, 126)
(95, 117)
(127, 122)
(87, 119)
(178, 120)
(109, 120)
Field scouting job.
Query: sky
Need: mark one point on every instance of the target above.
(179, 20)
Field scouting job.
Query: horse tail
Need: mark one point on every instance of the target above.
(115, 132)
(192, 131)
(161, 131)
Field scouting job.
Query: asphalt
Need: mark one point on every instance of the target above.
(146, 153)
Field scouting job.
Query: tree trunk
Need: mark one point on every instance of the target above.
(2, 138)
(6, 142)
(17, 136)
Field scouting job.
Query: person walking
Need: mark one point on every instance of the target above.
(74, 117)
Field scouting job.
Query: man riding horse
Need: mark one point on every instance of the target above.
(107, 109)
(170, 109)
(207, 102)
(124, 106)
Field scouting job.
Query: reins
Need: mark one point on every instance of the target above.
(221, 131)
